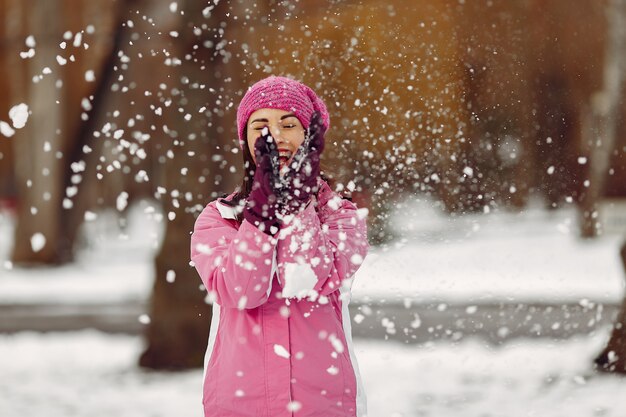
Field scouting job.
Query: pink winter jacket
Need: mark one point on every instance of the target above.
(280, 341)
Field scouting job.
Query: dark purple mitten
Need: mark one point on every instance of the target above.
(301, 178)
(262, 203)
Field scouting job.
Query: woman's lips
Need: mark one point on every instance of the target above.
(284, 156)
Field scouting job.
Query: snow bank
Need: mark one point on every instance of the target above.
(114, 265)
(93, 374)
(532, 256)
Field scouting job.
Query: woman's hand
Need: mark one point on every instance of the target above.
(262, 204)
(300, 180)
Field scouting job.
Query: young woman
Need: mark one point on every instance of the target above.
(277, 257)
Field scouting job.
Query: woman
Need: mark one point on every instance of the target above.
(277, 257)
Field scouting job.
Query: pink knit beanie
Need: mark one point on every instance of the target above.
(283, 94)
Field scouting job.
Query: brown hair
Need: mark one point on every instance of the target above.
(243, 191)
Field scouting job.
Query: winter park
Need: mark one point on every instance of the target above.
(313, 208)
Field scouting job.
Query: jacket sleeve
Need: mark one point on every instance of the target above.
(317, 253)
(236, 266)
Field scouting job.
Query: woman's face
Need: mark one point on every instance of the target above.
(284, 127)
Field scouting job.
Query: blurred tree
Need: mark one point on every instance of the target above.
(495, 152)
(78, 178)
(613, 357)
(38, 143)
(52, 83)
(601, 120)
(601, 139)
(201, 127)
(564, 45)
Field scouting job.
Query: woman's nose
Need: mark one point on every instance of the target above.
(277, 134)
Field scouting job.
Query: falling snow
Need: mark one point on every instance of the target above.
(37, 242)
(281, 351)
(6, 130)
(122, 201)
(423, 263)
(90, 76)
(19, 115)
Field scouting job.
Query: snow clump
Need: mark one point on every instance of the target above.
(37, 242)
(19, 115)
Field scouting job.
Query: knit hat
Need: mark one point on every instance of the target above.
(283, 94)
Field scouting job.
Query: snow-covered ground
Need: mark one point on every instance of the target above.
(94, 374)
(114, 264)
(530, 256)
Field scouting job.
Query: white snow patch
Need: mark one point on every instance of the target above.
(473, 379)
(122, 201)
(78, 40)
(6, 129)
(281, 351)
(362, 213)
(294, 406)
(96, 374)
(356, 259)
(337, 344)
(90, 216)
(90, 76)
(528, 256)
(85, 103)
(28, 54)
(531, 256)
(37, 242)
(19, 115)
(299, 281)
(112, 267)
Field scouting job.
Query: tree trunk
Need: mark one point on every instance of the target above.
(604, 119)
(46, 147)
(12, 75)
(84, 183)
(613, 357)
(599, 128)
(35, 147)
(198, 171)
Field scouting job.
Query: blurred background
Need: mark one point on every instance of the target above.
(486, 138)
